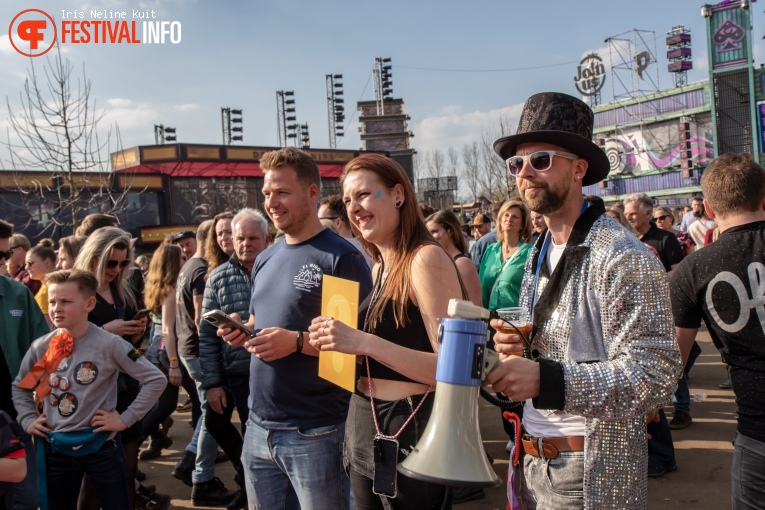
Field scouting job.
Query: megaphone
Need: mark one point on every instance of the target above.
(450, 451)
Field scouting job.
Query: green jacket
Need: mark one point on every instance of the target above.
(21, 322)
(507, 289)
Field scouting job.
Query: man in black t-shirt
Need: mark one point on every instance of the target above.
(638, 208)
(723, 286)
(207, 490)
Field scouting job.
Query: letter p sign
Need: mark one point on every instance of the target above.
(29, 29)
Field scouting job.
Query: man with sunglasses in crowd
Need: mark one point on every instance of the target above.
(21, 322)
(603, 348)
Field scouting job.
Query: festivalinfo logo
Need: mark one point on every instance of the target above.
(34, 32)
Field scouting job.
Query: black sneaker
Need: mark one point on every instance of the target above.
(184, 468)
(680, 420)
(240, 500)
(212, 493)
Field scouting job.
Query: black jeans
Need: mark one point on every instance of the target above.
(106, 468)
(359, 456)
(219, 425)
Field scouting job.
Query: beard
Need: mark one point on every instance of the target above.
(698, 214)
(549, 200)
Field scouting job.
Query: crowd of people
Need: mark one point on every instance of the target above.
(97, 341)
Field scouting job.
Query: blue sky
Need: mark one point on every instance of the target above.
(236, 53)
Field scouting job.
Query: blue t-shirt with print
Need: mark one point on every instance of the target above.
(286, 292)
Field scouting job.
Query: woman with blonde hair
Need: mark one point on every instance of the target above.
(414, 281)
(503, 262)
(445, 228)
(108, 254)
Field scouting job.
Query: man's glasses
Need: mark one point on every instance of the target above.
(661, 218)
(540, 161)
(112, 264)
(6, 254)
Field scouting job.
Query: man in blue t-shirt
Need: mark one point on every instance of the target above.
(296, 426)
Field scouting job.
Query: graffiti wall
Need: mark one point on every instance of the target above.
(638, 149)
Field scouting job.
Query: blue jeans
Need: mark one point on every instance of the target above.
(747, 474)
(554, 483)
(682, 397)
(295, 469)
(205, 445)
(25, 492)
(107, 470)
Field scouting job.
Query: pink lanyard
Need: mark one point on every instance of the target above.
(369, 375)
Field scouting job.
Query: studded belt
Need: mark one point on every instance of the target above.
(549, 448)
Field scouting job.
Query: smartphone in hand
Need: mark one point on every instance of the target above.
(221, 320)
(141, 314)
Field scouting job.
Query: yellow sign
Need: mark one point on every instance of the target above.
(339, 300)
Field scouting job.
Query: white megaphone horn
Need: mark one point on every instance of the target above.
(450, 451)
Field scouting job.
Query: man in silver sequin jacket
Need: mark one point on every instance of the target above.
(603, 344)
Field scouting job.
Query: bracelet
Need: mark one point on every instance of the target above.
(299, 342)
(174, 358)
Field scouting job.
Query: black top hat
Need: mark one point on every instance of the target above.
(558, 119)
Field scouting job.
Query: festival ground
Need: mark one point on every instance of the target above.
(703, 451)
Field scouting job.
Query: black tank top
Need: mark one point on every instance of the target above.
(459, 256)
(412, 336)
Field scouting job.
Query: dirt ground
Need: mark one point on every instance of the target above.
(703, 450)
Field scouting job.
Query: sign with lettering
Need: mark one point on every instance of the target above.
(591, 75)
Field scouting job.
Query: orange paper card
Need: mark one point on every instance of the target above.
(339, 300)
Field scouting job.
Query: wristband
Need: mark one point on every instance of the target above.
(299, 342)
(174, 358)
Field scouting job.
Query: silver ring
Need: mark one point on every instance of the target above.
(326, 322)
(322, 331)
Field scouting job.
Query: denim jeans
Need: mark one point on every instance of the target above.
(682, 397)
(25, 492)
(661, 449)
(295, 469)
(155, 335)
(206, 447)
(106, 468)
(555, 483)
(747, 474)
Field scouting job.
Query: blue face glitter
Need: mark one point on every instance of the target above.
(378, 194)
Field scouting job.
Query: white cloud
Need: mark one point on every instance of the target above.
(118, 102)
(5, 45)
(188, 107)
(452, 127)
(702, 63)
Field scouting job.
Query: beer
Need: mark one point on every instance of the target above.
(525, 329)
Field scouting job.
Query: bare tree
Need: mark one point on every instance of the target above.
(57, 132)
(495, 181)
(471, 169)
(436, 163)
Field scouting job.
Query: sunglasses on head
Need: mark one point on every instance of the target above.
(662, 217)
(112, 264)
(540, 161)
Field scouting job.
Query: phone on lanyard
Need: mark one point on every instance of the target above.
(386, 459)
